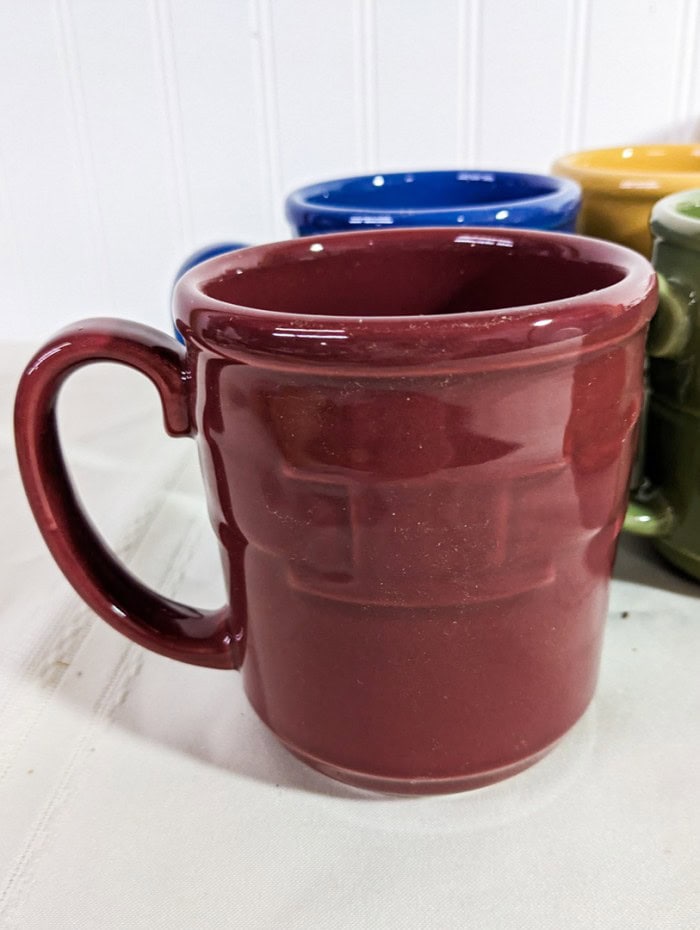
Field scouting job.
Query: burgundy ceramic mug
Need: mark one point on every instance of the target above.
(416, 446)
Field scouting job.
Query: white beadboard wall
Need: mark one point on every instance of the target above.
(133, 131)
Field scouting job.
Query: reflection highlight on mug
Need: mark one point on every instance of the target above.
(417, 522)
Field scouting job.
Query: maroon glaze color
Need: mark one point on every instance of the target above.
(199, 637)
(416, 446)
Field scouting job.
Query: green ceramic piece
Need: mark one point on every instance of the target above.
(689, 208)
(670, 512)
(649, 516)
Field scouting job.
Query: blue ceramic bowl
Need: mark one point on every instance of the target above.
(435, 198)
(196, 258)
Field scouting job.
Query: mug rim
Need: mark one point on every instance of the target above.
(565, 196)
(589, 168)
(667, 222)
(605, 314)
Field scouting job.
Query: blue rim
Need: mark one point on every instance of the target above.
(201, 255)
(536, 201)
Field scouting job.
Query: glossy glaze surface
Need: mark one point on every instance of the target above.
(173, 629)
(435, 198)
(672, 461)
(620, 186)
(196, 258)
(417, 503)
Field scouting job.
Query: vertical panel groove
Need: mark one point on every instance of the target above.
(462, 62)
(358, 58)
(386, 91)
(261, 114)
(70, 63)
(166, 68)
(685, 66)
(365, 39)
(370, 72)
(474, 87)
(575, 81)
(264, 50)
(469, 90)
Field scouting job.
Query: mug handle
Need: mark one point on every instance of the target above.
(163, 625)
(649, 513)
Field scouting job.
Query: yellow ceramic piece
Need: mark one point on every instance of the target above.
(621, 185)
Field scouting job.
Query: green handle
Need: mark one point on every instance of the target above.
(670, 326)
(648, 512)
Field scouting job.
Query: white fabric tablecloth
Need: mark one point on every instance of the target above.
(140, 792)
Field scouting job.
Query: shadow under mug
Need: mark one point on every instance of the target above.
(668, 507)
(435, 198)
(416, 447)
(621, 185)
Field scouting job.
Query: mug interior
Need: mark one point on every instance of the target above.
(434, 190)
(644, 158)
(690, 207)
(676, 218)
(652, 167)
(408, 276)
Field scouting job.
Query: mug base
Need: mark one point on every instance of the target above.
(418, 786)
(687, 561)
